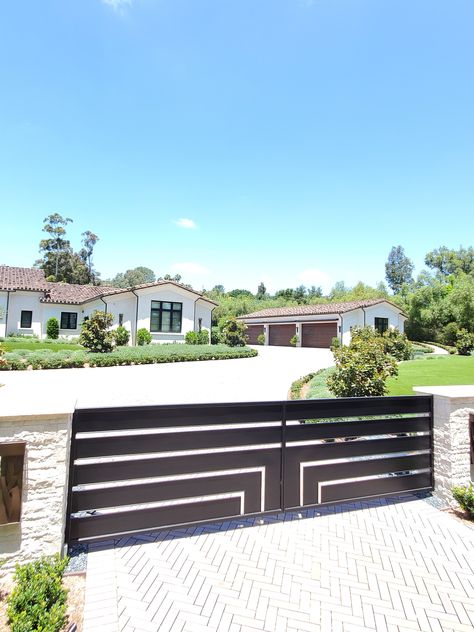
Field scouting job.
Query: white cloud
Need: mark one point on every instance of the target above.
(313, 276)
(118, 5)
(189, 267)
(184, 222)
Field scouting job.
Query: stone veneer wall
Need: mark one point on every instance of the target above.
(41, 528)
(452, 407)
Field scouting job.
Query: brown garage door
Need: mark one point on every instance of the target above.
(252, 332)
(319, 335)
(281, 335)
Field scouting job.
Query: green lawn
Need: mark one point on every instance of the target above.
(31, 345)
(432, 371)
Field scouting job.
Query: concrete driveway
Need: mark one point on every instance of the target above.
(266, 377)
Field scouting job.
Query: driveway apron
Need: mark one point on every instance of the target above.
(392, 565)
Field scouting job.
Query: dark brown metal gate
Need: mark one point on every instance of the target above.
(143, 468)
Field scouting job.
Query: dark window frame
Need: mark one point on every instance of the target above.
(120, 320)
(156, 314)
(381, 324)
(66, 318)
(28, 315)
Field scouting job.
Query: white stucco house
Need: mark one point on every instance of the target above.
(167, 309)
(317, 325)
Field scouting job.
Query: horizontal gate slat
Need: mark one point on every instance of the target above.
(172, 441)
(351, 469)
(104, 419)
(121, 495)
(166, 466)
(327, 430)
(356, 407)
(342, 449)
(149, 519)
(376, 487)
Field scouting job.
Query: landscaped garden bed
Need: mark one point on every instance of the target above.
(24, 359)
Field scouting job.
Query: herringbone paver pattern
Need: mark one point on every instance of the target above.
(381, 565)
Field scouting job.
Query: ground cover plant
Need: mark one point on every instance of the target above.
(38, 600)
(121, 356)
(432, 371)
(35, 345)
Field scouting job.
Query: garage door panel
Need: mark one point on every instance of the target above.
(253, 332)
(280, 335)
(318, 335)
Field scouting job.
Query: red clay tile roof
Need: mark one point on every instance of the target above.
(12, 278)
(313, 310)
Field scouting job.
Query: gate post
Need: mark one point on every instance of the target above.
(452, 407)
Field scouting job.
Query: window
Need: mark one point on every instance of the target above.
(166, 317)
(199, 325)
(68, 320)
(120, 320)
(26, 319)
(381, 324)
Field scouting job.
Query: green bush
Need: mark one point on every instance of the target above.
(261, 339)
(191, 338)
(3, 362)
(449, 334)
(122, 336)
(397, 345)
(52, 328)
(464, 342)
(143, 337)
(335, 343)
(363, 367)
(465, 497)
(295, 389)
(215, 336)
(96, 335)
(203, 337)
(233, 333)
(38, 600)
(294, 340)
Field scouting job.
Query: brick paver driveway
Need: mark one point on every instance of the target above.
(378, 565)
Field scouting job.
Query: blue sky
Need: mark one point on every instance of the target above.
(301, 138)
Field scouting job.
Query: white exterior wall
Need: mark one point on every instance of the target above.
(385, 310)
(125, 304)
(28, 301)
(3, 313)
(175, 295)
(205, 312)
(53, 310)
(349, 320)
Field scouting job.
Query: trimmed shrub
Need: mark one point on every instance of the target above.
(363, 367)
(3, 362)
(96, 335)
(203, 337)
(261, 339)
(464, 342)
(233, 333)
(335, 343)
(143, 337)
(191, 338)
(122, 336)
(397, 345)
(38, 600)
(52, 328)
(465, 497)
(294, 340)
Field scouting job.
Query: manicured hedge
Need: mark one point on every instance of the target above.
(152, 354)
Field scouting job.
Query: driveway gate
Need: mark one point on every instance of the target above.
(142, 468)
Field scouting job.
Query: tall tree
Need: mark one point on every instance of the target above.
(57, 248)
(447, 261)
(89, 240)
(134, 276)
(398, 269)
(261, 291)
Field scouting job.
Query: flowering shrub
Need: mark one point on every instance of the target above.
(96, 335)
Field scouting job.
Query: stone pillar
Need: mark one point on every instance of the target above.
(452, 407)
(46, 435)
